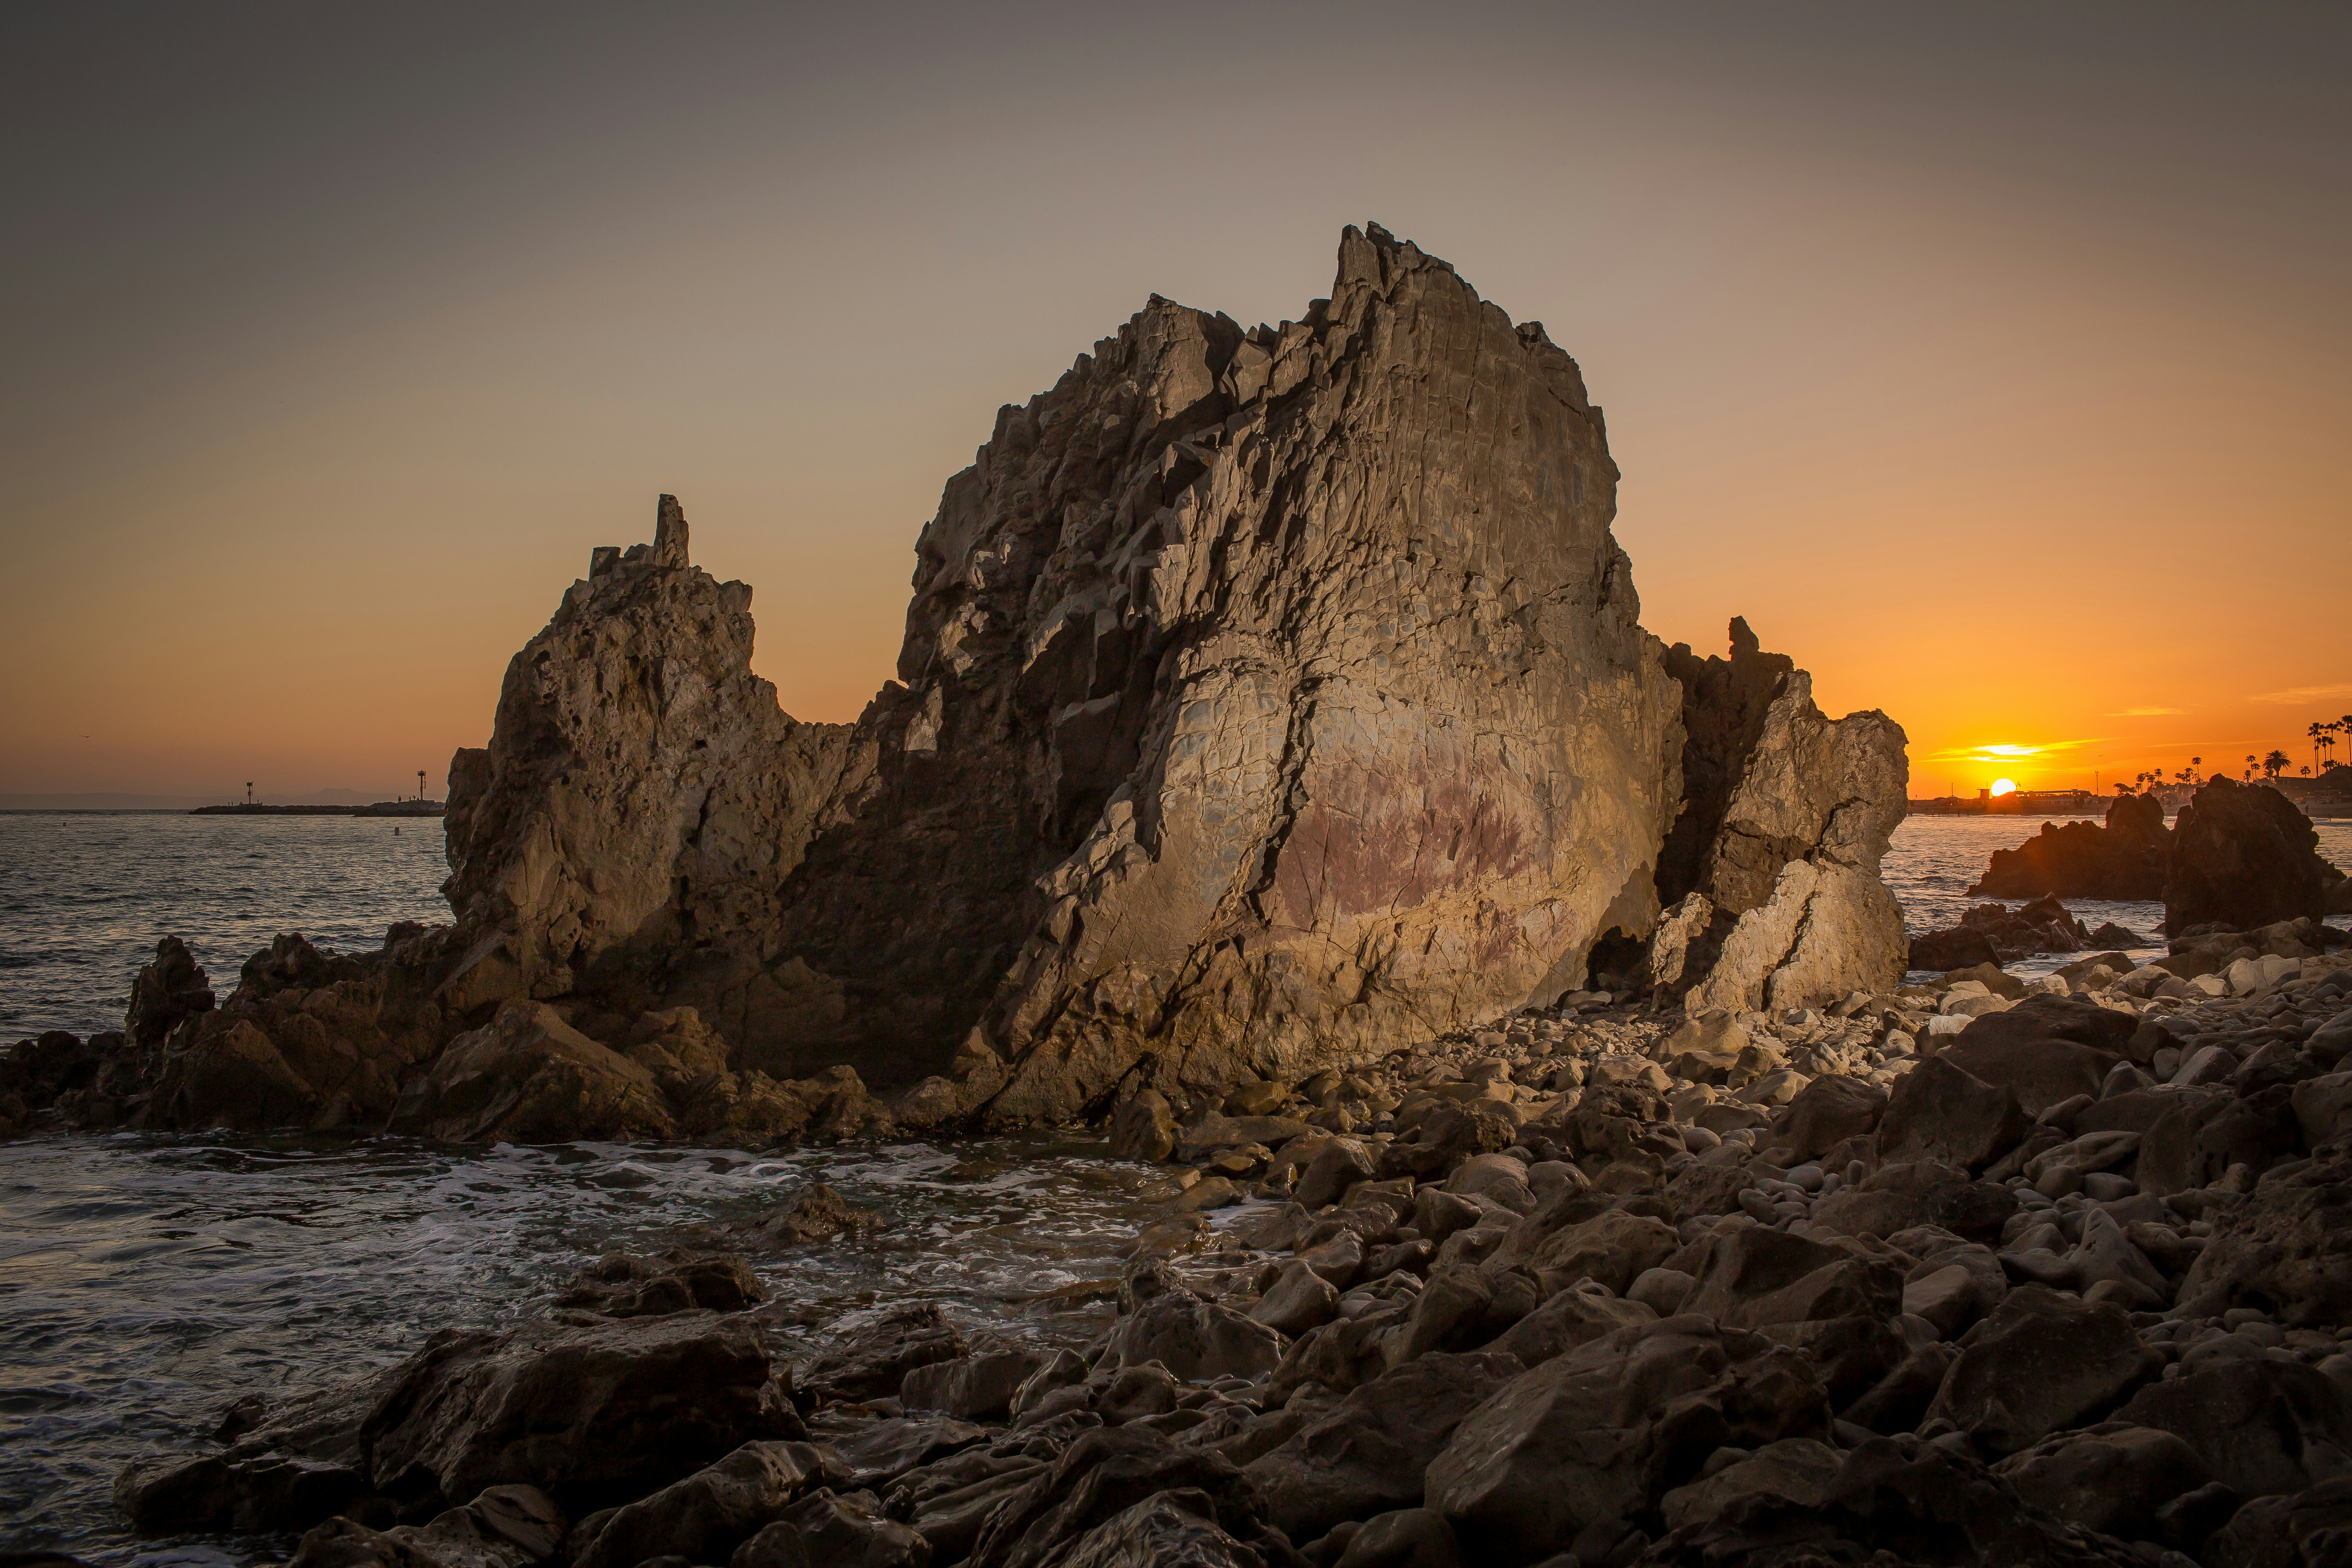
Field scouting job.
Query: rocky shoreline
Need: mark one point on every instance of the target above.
(1943, 1274)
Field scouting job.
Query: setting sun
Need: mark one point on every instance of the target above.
(2004, 787)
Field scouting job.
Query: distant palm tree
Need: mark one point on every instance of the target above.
(2250, 767)
(2275, 763)
(2316, 730)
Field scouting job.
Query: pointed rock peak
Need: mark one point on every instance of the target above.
(670, 534)
(1743, 641)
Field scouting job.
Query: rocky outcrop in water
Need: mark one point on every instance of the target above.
(2124, 859)
(1268, 699)
(1939, 1276)
(1271, 699)
(2243, 855)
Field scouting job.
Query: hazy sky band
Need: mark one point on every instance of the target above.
(1989, 359)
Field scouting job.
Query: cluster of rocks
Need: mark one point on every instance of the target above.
(1997, 934)
(2240, 855)
(1969, 1272)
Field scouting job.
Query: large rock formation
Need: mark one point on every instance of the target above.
(1268, 699)
(1771, 871)
(2243, 856)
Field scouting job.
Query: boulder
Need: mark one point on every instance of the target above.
(2040, 1362)
(1829, 1110)
(1566, 1455)
(1099, 1476)
(2261, 1427)
(2111, 1478)
(975, 1387)
(1462, 1309)
(1367, 1456)
(585, 1413)
(1136, 682)
(1799, 1470)
(2287, 1248)
(2047, 1049)
(1403, 1538)
(1960, 947)
(2243, 856)
(1196, 1340)
(703, 1517)
(621, 1285)
(1171, 1527)
(2310, 1530)
(850, 1529)
(1143, 1128)
(872, 1360)
(164, 994)
(1939, 1110)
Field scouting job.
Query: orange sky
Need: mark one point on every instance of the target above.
(1990, 363)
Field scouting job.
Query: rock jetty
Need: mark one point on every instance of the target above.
(1973, 1272)
(1272, 701)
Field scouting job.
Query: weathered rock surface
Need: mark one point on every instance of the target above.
(1785, 816)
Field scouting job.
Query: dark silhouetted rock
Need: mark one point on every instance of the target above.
(2243, 856)
(2124, 859)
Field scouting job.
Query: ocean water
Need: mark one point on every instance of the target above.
(84, 897)
(146, 1280)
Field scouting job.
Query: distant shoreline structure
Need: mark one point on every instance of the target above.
(378, 809)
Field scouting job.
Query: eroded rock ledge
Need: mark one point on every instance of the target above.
(1271, 700)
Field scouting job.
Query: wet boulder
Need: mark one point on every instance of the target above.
(506, 1527)
(850, 1529)
(702, 1517)
(1100, 1476)
(622, 1285)
(229, 1075)
(975, 1387)
(817, 1213)
(585, 1414)
(1567, 1455)
(1143, 1127)
(1197, 1341)
(1367, 1456)
(871, 1359)
(165, 993)
(291, 1467)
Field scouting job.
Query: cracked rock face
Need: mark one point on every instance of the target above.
(1771, 874)
(1268, 699)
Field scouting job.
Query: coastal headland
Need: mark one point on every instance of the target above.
(1566, 1164)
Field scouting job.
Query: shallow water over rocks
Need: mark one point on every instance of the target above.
(147, 1280)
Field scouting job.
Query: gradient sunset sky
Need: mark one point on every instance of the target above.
(1992, 359)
